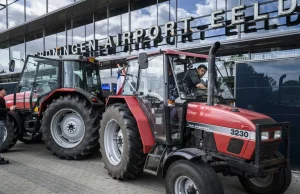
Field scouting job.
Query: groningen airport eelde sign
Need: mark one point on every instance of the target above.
(140, 40)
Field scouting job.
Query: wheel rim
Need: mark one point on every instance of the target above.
(67, 128)
(4, 134)
(184, 185)
(262, 181)
(113, 142)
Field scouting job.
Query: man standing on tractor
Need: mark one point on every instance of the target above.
(3, 116)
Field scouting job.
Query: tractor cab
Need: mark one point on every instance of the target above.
(43, 75)
(165, 82)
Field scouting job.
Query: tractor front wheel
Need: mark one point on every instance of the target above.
(120, 142)
(272, 184)
(10, 136)
(70, 127)
(194, 177)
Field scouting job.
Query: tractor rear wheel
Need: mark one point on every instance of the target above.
(197, 177)
(120, 142)
(11, 135)
(272, 184)
(70, 127)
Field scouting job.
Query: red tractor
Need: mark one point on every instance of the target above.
(188, 140)
(58, 99)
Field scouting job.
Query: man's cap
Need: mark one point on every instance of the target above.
(1, 88)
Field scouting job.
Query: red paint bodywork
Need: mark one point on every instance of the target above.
(20, 104)
(220, 115)
(141, 119)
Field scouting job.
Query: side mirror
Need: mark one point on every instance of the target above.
(143, 60)
(12, 65)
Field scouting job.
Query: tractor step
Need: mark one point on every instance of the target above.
(150, 172)
(153, 161)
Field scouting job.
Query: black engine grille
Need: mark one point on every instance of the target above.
(269, 148)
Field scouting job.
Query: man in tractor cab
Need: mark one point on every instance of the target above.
(195, 80)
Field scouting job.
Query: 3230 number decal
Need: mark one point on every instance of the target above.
(239, 133)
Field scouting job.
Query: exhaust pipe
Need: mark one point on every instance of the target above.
(212, 74)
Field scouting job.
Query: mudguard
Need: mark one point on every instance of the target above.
(143, 123)
(57, 93)
(186, 153)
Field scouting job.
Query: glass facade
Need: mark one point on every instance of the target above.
(128, 16)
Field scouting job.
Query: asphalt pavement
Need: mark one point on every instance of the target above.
(34, 170)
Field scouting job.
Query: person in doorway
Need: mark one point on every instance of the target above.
(3, 116)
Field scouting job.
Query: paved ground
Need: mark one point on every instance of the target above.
(33, 170)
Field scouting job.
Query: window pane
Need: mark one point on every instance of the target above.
(56, 4)
(35, 8)
(17, 50)
(3, 16)
(34, 43)
(79, 28)
(4, 56)
(73, 74)
(16, 13)
(101, 24)
(273, 24)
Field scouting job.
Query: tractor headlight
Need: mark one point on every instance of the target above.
(264, 135)
(277, 134)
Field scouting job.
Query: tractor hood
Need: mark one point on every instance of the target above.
(22, 99)
(225, 116)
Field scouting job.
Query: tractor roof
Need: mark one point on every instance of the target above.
(173, 52)
(64, 57)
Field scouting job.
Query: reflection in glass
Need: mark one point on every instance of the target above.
(55, 37)
(272, 87)
(17, 51)
(3, 17)
(34, 42)
(273, 24)
(56, 4)
(101, 25)
(16, 13)
(35, 8)
(79, 29)
(4, 57)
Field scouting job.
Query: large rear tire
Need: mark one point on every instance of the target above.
(70, 127)
(272, 184)
(11, 135)
(120, 142)
(195, 177)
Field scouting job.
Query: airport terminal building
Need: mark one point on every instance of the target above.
(261, 36)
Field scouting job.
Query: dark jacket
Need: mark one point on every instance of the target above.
(3, 109)
(193, 79)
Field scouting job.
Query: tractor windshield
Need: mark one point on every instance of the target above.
(40, 75)
(147, 82)
(187, 75)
